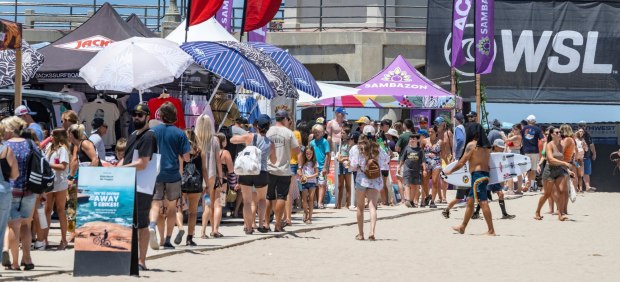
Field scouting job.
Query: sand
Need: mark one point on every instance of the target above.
(423, 246)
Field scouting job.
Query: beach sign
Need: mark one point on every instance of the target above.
(103, 235)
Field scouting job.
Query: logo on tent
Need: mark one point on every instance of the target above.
(254, 83)
(90, 44)
(302, 81)
(397, 75)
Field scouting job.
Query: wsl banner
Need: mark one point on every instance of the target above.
(545, 51)
(103, 240)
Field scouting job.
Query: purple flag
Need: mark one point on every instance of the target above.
(224, 15)
(485, 42)
(459, 19)
(258, 35)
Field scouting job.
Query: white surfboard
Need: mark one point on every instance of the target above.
(503, 166)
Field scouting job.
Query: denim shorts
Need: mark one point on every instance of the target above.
(307, 186)
(22, 207)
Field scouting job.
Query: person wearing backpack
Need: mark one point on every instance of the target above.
(9, 169)
(368, 161)
(192, 189)
(255, 186)
(58, 156)
(23, 202)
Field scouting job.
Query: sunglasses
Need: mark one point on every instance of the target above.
(140, 115)
(556, 132)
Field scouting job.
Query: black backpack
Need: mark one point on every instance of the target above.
(40, 174)
(191, 180)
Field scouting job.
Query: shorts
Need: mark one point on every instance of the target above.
(342, 170)
(307, 186)
(587, 166)
(385, 173)
(294, 168)
(535, 159)
(461, 193)
(553, 172)
(412, 178)
(278, 187)
(22, 208)
(495, 187)
(432, 164)
(480, 180)
(143, 208)
(171, 190)
(259, 181)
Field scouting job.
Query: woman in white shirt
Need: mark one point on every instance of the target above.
(367, 186)
(57, 154)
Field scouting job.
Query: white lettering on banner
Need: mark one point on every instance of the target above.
(395, 85)
(225, 11)
(463, 12)
(533, 55)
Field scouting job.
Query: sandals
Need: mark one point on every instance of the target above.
(371, 237)
(204, 236)
(359, 237)
(13, 269)
(446, 213)
(62, 246)
(27, 266)
(142, 267)
(217, 235)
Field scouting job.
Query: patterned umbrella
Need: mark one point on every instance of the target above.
(230, 65)
(296, 71)
(31, 61)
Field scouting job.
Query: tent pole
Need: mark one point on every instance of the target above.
(18, 76)
(245, 7)
(215, 90)
(478, 98)
(189, 9)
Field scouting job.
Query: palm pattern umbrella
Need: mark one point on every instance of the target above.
(31, 61)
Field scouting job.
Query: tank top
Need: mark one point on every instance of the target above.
(264, 145)
(5, 186)
(558, 153)
(308, 169)
(83, 157)
(569, 151)
(21, 149)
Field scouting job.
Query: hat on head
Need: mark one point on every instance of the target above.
(341, 111)
(364, 120)
(423, 132)
(392, 132)
(387, 122)
(459, 117)
(24, 110)
(531, 118)
(497, 123)
(472, 114)
(439, 120)
(96, 124)
(241, 120)
(499, 143)
(281, 114)
(320, 120)
(263, 120)
(354, 135)
(141, 108)
(369, 129)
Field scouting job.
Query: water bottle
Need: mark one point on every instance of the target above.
(207, 199)
(42, 217)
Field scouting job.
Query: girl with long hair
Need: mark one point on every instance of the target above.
(192, 198)
(568, 143)
(432, 151)
(10, 172)
(581, 148)
(212, 170)
(58, 156)
(308, 172)
(365, 186)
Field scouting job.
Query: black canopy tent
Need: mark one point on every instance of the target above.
(134, 22)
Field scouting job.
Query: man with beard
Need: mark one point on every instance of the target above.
(143, 141)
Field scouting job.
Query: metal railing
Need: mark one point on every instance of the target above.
(43, 15)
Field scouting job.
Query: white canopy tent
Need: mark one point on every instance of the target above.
(329, 91)
(209, 30)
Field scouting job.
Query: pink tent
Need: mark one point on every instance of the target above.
(399, 85)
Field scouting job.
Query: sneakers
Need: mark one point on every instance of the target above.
(475, 216)
(153, 238)
(168, 246)
(39, 245)
(446, 213)
(179, 237)
(432, 205)
(408, 204)
(508, 216)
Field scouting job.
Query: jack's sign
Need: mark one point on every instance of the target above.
(546, 51)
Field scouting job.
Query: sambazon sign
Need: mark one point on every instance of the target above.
(545, 52)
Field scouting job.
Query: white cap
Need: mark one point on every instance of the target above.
(531, 118)
(368, 129)
(392, 132)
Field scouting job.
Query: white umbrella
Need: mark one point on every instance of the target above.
(136, 63)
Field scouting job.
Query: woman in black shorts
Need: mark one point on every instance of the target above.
(554, 174)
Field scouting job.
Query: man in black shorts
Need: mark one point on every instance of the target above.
(285, 144)
(412, 165)
(141, 140)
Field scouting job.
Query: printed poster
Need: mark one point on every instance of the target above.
(103, 240)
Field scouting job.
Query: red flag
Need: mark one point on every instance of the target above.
(260, 12)
(202, 10)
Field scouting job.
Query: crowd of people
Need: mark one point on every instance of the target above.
(199, 166)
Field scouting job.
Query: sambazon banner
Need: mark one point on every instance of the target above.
(546, 51)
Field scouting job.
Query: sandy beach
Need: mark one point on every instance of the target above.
(422, 246)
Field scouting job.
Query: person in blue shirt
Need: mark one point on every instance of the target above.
(322, 153)
(173, 144)
(26, 114)
(531, 135)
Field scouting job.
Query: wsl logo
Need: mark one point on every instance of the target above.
(469, 47)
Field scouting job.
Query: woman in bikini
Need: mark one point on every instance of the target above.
(581, 148)
(513, 143)
(432, 152)
(568, 143)
(554, 174)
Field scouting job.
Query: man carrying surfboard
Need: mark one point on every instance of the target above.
(477, 153)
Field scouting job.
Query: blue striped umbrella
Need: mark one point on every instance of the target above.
(296, 71)
(231, 65)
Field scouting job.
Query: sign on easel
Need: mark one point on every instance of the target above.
(103, 241)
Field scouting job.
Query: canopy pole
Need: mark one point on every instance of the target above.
(478, 98)
(18, 76)
(189, 9)
(453, 91)
(215, 90)
(245, 7)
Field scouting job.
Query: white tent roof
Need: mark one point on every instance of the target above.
(329, 91)
(209, 30)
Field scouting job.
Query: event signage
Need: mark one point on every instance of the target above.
(545, 51)
(224, 15)
(103, 240)
(485, 49)
(258, 35)
(10, 35)
(459, 19)
(91, 44)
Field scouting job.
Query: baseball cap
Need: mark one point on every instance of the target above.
(263, 120)
(387, 122)
(369, 129)
(499, 143)
(96, 124)
(141, 108)
(363, 120)
(281, 114)
(341, 111)
(392, 132)
(439, 120)
(531, 118)
(24, 110)
(472, 114)
(423, 132)
(354, 135)
(497, 123)
(242, 120)
(459, 117)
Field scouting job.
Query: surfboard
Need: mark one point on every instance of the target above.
(503, 166)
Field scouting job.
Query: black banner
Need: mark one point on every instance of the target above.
(547, 51)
